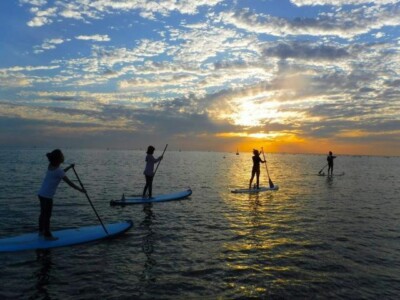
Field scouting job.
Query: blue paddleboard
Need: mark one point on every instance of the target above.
(253, 191)
(66, 237)
(159, 198)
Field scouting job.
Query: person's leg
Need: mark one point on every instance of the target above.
(41, 216)
(144, 191)
(145, 188)
(251, 179)
(48, 207)
(258, 178)
(150, 186)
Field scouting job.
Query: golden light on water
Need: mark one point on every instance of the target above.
(260, 224)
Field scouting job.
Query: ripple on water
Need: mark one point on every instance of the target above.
(315, 238)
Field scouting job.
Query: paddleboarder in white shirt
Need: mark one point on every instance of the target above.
(149, 170)
(48, 189)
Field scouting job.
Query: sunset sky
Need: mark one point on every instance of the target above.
(297, 76)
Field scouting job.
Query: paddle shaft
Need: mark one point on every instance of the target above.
(160, 160)
(322, 169)
(262, 149)
(91, 204)
(271, 184)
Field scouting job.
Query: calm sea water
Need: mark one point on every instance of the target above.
(315, 238)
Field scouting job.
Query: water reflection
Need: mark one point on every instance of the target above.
(329, 181)
(43, 257)
(148, 244)
(264, 243)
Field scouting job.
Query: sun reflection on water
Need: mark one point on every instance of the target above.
(266, 239)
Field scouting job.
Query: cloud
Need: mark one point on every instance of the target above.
(69, 116)
(340, 2)
(15, 81)
(43, 17)
(49, 44)
(305, 50)
(200, 42)
(84, 10)
(393, 83)
(160, 82)
(39, 21)
(71, 14)
(95, 37)
(29, 68)
(379, 35)
(344, 24)
(15, 77)
(228, 73)
(34, 2)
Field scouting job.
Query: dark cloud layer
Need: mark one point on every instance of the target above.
(303, 50)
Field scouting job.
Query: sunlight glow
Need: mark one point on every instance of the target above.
(254, 109)
(257, 135)
(257, 109)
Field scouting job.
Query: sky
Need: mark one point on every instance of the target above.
(292, 76)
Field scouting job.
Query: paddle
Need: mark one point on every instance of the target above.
(160, 160)
(91, 204)
(271, 184)
(322, 169)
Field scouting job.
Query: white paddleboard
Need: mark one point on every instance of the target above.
(160, 198)
(66, 237)
(252, 191)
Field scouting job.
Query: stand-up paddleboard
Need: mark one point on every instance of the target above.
(159, 198)
(252, 191)
(334, 175)
(66, 237)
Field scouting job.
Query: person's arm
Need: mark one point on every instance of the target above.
(69, 167)
(73, 185)
(158, 159)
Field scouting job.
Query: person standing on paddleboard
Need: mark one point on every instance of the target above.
(256, 168)
(330, 159)
(149, 170)
(48, 189)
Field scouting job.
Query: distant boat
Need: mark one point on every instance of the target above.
(237, 151)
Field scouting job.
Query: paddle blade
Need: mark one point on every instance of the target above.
(271, 184)
(319, 173)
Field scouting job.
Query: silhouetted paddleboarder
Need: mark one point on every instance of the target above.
(256, 168)
(330, 159)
